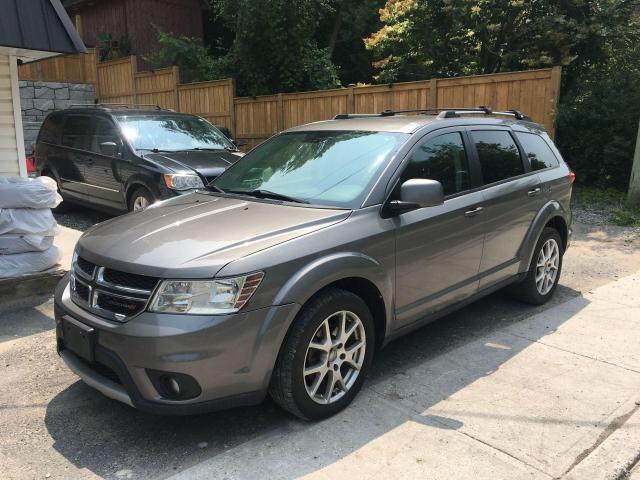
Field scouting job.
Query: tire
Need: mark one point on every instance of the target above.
(141, 197)
(291, 389)
(529, 290)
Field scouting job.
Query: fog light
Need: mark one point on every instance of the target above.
(174, 385)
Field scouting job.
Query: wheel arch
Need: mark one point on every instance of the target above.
(551, 215)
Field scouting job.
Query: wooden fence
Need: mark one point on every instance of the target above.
(534, 92)
(63, 68)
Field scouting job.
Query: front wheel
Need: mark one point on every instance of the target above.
(544, 271)
(325, 357)
(140, 199)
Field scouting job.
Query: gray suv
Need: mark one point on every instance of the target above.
(290, 270)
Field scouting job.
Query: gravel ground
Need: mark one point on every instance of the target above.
(79, 218)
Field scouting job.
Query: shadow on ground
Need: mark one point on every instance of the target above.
(115, 441)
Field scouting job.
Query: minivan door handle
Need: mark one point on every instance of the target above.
(534, 192)
(473, 212)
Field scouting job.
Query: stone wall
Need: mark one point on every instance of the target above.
(38, 99)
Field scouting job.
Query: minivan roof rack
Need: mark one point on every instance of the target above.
(113, 106)
(440, 112)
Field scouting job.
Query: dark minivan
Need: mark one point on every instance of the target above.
(120, 158)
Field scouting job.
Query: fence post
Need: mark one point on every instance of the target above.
(433, 93)
(134, 70)
(556, 78)
(634, 182)
(280, 113)
(176, 80)
(351, 100)
(232, 105)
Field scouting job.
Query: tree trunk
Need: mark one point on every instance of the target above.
(336, 29)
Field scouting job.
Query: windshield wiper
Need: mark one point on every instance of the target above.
(267, 194)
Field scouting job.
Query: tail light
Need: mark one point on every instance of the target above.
(31, 163)
(572, 177)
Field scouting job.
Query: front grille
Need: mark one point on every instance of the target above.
(119, 305)
(110, 293)
(86, 266)
(130, 280)
(82, 291)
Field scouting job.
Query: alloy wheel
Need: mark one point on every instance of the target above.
(334, 357)
(140, 203)
(547, 266)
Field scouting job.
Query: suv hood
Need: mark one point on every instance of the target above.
(195, 235)
(209, 164)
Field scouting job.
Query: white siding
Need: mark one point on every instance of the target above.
(11, 149)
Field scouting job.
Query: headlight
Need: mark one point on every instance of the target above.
(183, 181)
(205, 297)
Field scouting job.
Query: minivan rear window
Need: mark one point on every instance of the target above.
(538, 152)
(76, 132)
(50, 130)
(498, 154)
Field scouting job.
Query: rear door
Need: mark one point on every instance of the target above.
(74, 154)
(438, 249)
(103, 172)
(512, 196)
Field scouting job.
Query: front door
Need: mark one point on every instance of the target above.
(103, 172)
(438, 249)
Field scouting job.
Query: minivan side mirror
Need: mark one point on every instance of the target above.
(418, 193)
(109, 149)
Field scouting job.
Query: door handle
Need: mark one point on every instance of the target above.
(89, 162)
(534, 192)
(473, 212)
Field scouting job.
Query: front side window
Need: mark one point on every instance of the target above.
(442, 158)
(333, 168)
(172, 133)
(538, 152)
(76, 132)
(105, 131)
(498, 154)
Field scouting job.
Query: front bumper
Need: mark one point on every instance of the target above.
(229, 356)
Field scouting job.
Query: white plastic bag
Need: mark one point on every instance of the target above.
(30, 221)
(27, 263)
(17, 192)
(16, 243)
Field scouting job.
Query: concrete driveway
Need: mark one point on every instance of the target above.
(496, 390)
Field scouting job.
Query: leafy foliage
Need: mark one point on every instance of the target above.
(597, 127)
(274, 49)
(188, 53)
(426, 38)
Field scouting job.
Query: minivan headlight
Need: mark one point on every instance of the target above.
(205, 297)
(183, 181)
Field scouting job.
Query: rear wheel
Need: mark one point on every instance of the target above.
(544, 271)
(140, 199)
(326, 356)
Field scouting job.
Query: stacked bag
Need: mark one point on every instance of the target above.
(27, 226)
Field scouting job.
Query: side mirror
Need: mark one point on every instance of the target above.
(109, 148)
(240, 143)
(418, 193)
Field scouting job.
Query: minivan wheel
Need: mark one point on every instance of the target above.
(140, 199)
(325, 357)
(544, 271)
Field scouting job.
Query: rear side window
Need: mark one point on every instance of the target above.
(442, 158)
(498, 154)
(50, 130)
(76, 132)
(537, 150)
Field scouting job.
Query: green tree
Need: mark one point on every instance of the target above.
(274, 49)
(423, 38)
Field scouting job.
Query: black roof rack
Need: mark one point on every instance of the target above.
(113, 106)
(440, 112)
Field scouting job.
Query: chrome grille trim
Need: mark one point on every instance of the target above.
(97, 286)
(101, 281)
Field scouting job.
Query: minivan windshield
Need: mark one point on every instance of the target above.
(172, 133)
(332, 168)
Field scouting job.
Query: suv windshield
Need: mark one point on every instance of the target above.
(171, 133)
(333, 168)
